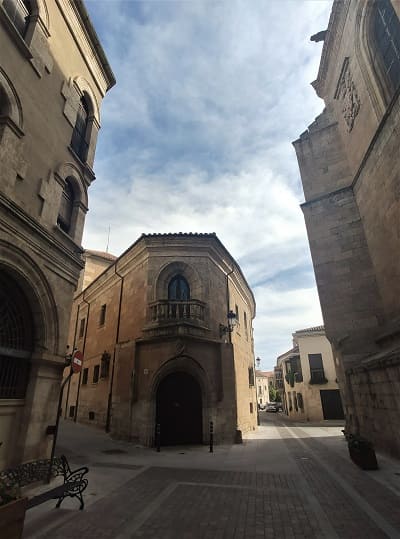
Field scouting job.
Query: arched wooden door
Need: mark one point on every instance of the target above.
(179, 410)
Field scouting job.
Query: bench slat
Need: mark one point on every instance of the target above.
(51, 494)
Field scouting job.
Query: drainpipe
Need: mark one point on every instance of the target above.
(238, 433)
(73, 348)
(110, 394)
(83, 353)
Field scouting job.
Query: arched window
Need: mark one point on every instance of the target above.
(178, 289)
(385, 28)
(19, 11)
(64, 219)
(16, 339)
(78, 141)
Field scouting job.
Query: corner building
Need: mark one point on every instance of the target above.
(350, 170)
(53, 77)
(160, 348)
(309, 386)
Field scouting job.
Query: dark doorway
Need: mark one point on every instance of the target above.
(331, 404)
(179, 410)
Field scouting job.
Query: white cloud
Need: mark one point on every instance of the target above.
(197, 137)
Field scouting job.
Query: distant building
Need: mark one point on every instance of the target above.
(310, 390)
(53, 77)
(279, 382)
(264, 380)
(350, 170)
(95, 263)
(166, 333)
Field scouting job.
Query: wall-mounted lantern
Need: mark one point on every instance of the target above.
(232, 321)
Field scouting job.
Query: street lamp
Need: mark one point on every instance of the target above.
(232, 321)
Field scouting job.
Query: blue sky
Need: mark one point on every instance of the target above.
(196, 137)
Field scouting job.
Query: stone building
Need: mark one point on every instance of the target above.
(95, 263)
(350, 170)
(166, 334)
(53, 77)
(310, 390)
(264, 380)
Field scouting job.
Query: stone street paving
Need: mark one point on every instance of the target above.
(285, 481)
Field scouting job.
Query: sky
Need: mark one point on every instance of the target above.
(197, 137)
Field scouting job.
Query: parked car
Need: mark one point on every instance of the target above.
(274, 407)
(271, 407)
(261, 406)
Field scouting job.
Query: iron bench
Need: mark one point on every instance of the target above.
(31, 472)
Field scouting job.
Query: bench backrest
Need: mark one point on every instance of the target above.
(30, 472)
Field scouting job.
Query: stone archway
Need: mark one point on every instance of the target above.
(179, 409)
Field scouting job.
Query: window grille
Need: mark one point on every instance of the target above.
(386, 33)
(16, 339)
(14, 375)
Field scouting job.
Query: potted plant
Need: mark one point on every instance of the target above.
(362, 452)
(12, 512)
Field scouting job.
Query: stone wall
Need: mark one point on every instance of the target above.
(350, 172)
(39, 73)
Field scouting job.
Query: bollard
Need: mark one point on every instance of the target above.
(158, 437)
(211, 437)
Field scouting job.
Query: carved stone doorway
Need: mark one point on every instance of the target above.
(179, 410)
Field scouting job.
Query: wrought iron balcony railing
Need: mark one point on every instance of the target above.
(177, 311)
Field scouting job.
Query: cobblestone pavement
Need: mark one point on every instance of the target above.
(285, 481)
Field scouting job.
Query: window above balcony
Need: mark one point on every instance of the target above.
(178, 289)
(179, 312)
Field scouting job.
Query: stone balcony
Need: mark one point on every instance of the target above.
(171, 317)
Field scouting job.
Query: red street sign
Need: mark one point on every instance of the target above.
(77, 360)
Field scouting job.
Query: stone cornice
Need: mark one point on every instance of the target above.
(326, 196)
(207, 245)
(210, 245)
(331, 43)
(77, 20)
(72, 251)
(384, 359)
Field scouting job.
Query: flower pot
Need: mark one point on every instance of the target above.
(364, 456)
(12, 516)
